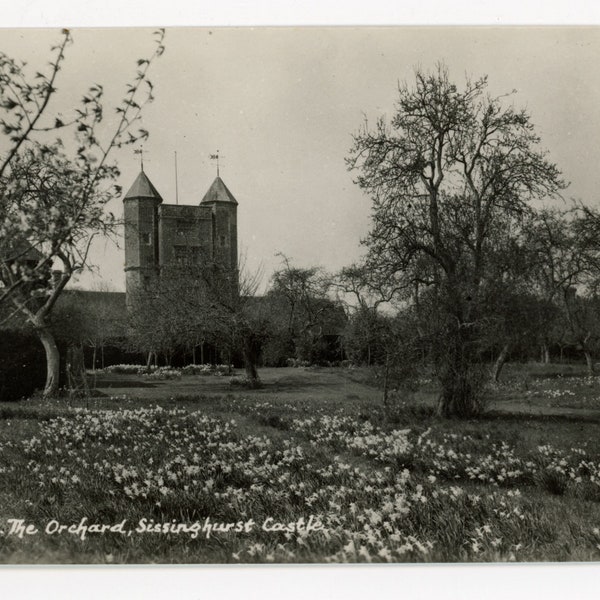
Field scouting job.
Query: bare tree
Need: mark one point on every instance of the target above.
(450, 179)
(203, 301)
(565, 269)
(304, 299)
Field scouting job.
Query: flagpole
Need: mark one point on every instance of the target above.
(176, 185)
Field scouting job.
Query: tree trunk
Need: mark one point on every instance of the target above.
(545, 356)
(251, 354)
(386, 379)
(75, 369)
(102, 355)
(589, 362)
(94, 359)
(52, 361)
(500, 361)
(250, 367)
(251, 372)
(460, 379)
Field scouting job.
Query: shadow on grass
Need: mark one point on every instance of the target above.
(34, 413)
(495, 415)
(123, 383)
(560, 375)
(292, 386)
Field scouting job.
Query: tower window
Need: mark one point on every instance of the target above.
(146, 239)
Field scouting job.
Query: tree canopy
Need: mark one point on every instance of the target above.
(451, 178)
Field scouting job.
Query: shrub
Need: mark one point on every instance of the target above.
(22, 364)
(128, 369)
(197, 370)
(164, 373)
(297, 363)
(207, 369)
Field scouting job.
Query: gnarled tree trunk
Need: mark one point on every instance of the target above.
(460, 374)
(251, 348)
(500, 362)
(52, 360)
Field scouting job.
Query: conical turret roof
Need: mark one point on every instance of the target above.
(218, 192)
(142, 188)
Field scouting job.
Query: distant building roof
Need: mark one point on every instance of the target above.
(218, 192)
(114, 300)
(142, 188)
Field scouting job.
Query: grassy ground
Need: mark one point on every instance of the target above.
(197, 470)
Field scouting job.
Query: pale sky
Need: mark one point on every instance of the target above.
(281, 105)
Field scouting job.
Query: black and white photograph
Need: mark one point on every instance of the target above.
(299, 295)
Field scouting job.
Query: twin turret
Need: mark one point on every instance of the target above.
(159, 235)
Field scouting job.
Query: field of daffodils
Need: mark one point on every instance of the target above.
(237, 480)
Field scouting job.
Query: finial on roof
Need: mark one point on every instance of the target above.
(215, 157)
(140, 151)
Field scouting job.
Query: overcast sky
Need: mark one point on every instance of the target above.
(281, 106)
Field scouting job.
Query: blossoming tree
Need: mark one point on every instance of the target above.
(53, 193)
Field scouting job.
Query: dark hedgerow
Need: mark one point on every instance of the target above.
(22, 364)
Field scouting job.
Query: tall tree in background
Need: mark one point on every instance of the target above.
(52, 191)
(566, 272)
(450, 179)
(303, 297)
(361, 294)
(559, 262)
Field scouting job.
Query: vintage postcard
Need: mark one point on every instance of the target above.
(299, 295)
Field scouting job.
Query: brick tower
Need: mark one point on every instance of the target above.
(141, 216)
(223, 207)
(159, 235)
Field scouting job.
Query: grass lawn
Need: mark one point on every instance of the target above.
(309, 468)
